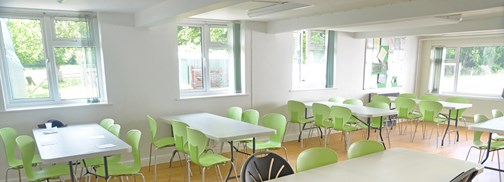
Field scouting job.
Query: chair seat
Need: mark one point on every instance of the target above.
(50, 172)
(493, 145)
(117, 169)
(260, 145)
(210, 159)
(325, 124)
(164, 142)
(97, 161)
(497, 137)
(17, 164)
(302, 121)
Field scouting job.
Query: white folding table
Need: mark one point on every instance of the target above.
(392, 165)
(450, 106)
(76, 142)
(361, 111)
(491, 126)
(222, 129)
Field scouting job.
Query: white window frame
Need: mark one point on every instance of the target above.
(456, 62)
(50, 42)
(297, 82)
(206, 45)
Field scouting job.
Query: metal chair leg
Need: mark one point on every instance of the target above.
(150, 156)
(203, 174)
(468, 152)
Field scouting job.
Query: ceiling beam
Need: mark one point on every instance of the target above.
(489, 24)
(170, 10)
(381, 14)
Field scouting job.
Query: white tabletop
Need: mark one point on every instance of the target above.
(220, 128)
(361, 111)
(495, 125)
(446, 105)
(77, 142)
(393, 165)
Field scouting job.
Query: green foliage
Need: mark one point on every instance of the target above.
(219, 35)
(190, 36)
(481, 60)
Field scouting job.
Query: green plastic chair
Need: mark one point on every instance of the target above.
(495, 146)
(197, 142)
(429, 98)
(118, 169)
(407, 95)
(364, 147)
(249, 116)
(106, 123)
(430, 114)
(315, 157)
(297, 113)
(8, 136)
(375, 121)
(235, 113)
(157, 143)
(278, 123)
(26, 146)
(453, 112)
(496, 114)
(321, 115)
(341, 120)
(115, 129)
(381, 98)
(180, 136)
(405, 107)
(356, 102)
(336, 99)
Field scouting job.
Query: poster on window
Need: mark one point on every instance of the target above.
(384, 60)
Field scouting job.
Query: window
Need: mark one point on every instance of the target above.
(209, 64)
(313, 60)
(475, 70)
(50, 60)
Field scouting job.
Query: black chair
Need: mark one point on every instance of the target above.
(466, 176)
(263, 166)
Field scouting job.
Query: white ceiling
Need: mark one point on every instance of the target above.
(150, 12)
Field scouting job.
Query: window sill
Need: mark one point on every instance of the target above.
(27, 108)
(491, 98)
(310, 89)
(209, 96)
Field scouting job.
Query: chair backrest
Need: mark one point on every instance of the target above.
(364, 147)
(235, 113)
(357, 102)
(453, 112)
(251, 116)
(315, 157)
(152, 128)
(478, 118)
(9, 141)
(407, 95)
(429, 97)
(180, 135)
(466, 176)
(106, 123)
(197, 142)
(115, 129)
(26, 145)
(336, 99)
(497, 113)
(133, 139)
(263, 166)
(321, 113)
(379, 105)
(380, 98)
(277, 122)
(429, 110)
(296, 110)
(404, 106)
(340, 116)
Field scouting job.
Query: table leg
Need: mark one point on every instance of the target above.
(447, 127)
(253, 145)
(72, 176)
(488, 148)
(456, 125)
(232, 160)
(381, 137)
(368, 128)
(105, 165)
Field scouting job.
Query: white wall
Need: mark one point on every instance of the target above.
(142, 76)
(480, 105)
